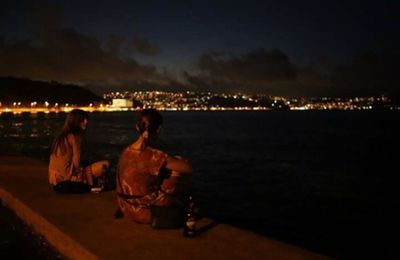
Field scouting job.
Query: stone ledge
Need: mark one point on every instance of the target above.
(83, 226)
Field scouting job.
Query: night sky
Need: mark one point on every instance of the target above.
(290, 48)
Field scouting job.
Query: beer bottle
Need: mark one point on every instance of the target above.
(189, 230)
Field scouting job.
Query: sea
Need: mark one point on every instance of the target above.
(327, 181)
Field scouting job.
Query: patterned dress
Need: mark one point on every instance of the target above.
(140, 183)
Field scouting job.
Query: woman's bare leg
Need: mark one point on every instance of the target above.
(99, 168)
(96, 169)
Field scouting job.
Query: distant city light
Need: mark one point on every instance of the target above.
(196, 101)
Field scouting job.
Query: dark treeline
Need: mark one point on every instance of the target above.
(26, 91)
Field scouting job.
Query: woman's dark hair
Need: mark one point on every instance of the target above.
(72, 125)
(149, 120)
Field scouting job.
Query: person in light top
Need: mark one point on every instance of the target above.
(66, 172)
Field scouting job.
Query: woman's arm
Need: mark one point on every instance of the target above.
(178, 164)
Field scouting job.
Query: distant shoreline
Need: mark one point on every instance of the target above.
(108, 108)
(122, 109)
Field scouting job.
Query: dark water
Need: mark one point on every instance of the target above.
(324, 180)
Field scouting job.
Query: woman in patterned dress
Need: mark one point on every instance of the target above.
(147, 176)
(66, 174)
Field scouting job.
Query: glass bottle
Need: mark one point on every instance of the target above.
(189, 229)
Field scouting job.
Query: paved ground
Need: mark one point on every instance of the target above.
(18, 241)
(83, 226)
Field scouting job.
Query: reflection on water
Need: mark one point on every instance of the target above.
(16, 125)
(29, 133)
(315, 178)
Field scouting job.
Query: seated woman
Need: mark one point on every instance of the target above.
(146, 176)
(66, 174)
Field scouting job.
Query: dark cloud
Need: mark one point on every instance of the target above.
(69, 56)
(369, 73)
(307, 83)
(259, 66)
(114, 44)
(144, 46)
(270, 72)
(258, 71)
(54, 52)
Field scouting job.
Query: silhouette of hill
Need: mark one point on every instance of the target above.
(26, 90)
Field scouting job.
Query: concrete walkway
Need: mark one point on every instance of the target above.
(83, 226)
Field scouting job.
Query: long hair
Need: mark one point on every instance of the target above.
(72, 125)
(149, 120)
